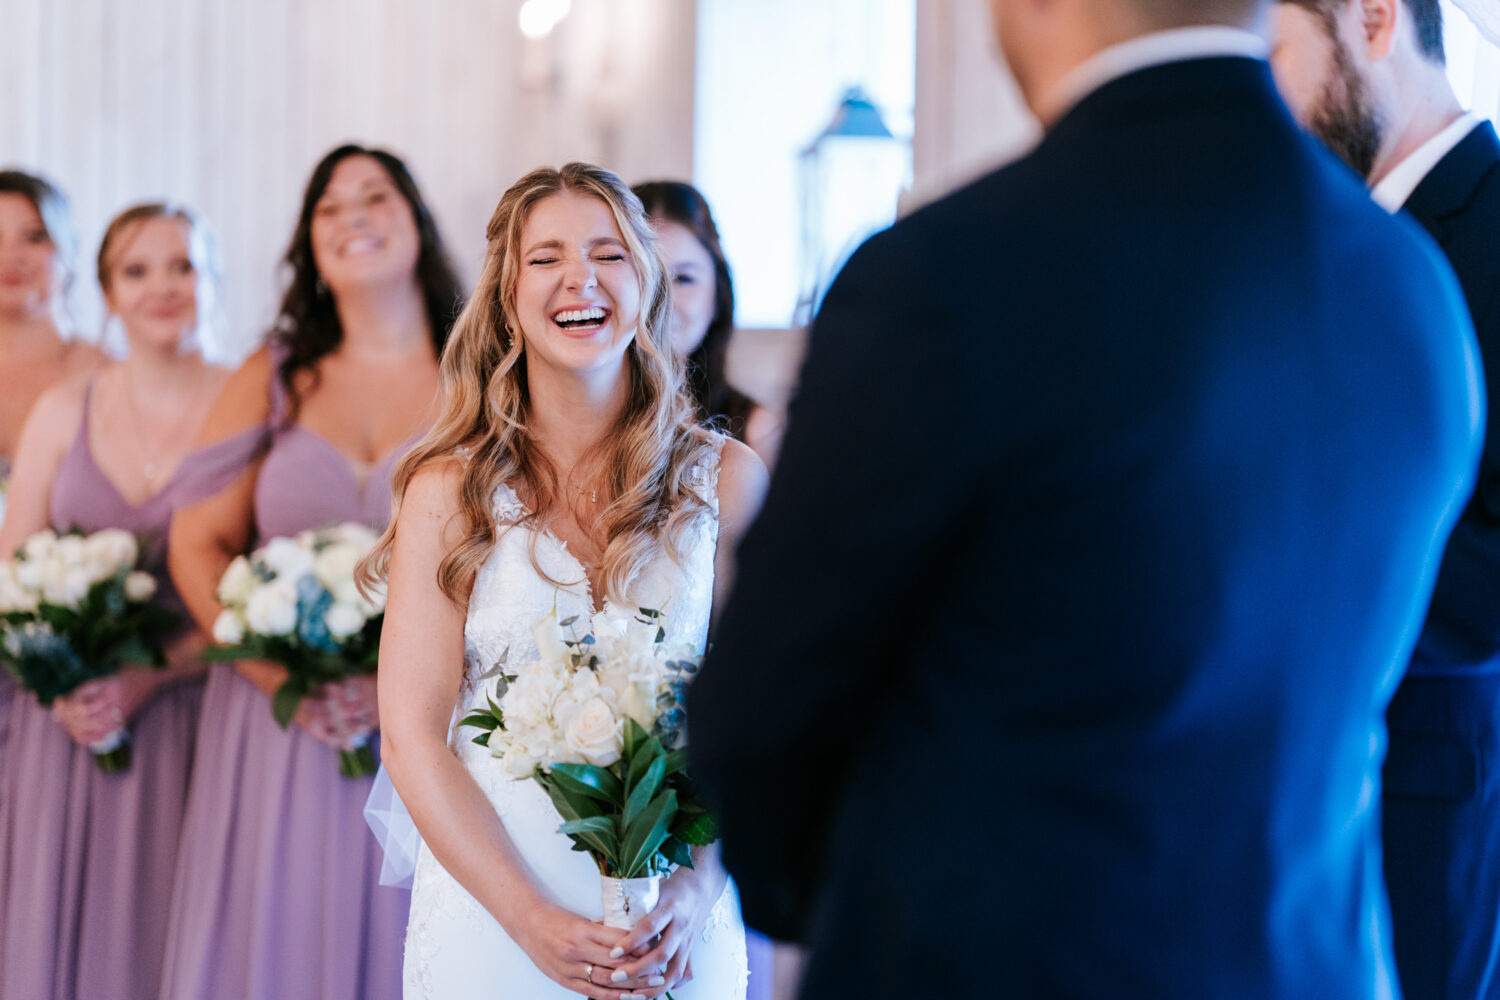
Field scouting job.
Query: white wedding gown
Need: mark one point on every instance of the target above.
(454, 949)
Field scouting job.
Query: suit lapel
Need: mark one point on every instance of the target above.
(1449, 186)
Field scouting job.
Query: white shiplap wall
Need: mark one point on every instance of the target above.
(226, 105)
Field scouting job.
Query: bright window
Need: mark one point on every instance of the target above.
(1473, 61)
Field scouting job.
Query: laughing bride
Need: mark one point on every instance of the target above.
(567, 471)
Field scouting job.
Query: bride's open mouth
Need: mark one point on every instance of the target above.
(585, 320)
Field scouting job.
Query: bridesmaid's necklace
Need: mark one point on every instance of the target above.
(149, 458)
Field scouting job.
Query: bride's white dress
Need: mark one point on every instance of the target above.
(454, 949)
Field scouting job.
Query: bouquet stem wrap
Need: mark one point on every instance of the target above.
(112, 753)
(628, 900)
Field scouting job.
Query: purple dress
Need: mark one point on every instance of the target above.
(7, 683)
(86, 858)
(277, 893)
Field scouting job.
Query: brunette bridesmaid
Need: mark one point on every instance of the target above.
(277, 890)
(87, 858)
(37, 249)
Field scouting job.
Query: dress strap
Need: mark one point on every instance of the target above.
(703, 477)
(278, 392)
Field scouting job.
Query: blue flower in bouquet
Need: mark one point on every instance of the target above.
(313, 602)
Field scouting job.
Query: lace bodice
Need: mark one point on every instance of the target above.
(510, 596)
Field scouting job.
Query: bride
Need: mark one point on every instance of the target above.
(566, 464)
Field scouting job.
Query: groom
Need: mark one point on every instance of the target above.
(1368, 76)
(1111, 501)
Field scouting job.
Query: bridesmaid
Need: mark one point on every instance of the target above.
(703, 312)
(86, 858)
(276, 892)
(37, 247)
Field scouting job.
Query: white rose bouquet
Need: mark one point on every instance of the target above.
(294, 602)
(598, 722)
(75, 607)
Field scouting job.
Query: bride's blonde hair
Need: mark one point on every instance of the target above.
(487, 407)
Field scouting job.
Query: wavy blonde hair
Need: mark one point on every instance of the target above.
(487, 408)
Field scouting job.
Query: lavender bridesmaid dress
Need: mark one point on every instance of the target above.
(86, 858)
(277, 894)
(7, 683)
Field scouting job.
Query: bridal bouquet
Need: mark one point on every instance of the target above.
(294, 602)
(598, 722)
(73, 608)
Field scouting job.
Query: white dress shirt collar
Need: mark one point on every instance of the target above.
(1154, 49)
(1397, 186)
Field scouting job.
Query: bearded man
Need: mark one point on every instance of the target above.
(1368, 77)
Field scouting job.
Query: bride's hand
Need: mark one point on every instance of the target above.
(573, 952)
(686, 902)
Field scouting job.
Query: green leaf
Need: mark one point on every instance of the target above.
(677, 762)
(592, 781)
(644, 837)
(602, 825)
(633, 736)
(643, 792)
(483, 739)
(480, 719)
(701, 832)
(285, 701)
(677, 852)
(645, 755)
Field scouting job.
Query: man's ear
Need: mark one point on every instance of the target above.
(1381, 19)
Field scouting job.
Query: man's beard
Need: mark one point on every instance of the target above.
(1346, 118)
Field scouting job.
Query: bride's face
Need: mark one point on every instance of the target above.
(578, 297)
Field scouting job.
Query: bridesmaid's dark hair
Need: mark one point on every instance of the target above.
(52, 205)
(308, 321)
(718, 402)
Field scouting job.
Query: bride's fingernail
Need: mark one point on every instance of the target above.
(656, 981)
(617, 953)
(618, 976)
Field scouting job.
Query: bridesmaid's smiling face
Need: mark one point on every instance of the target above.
(153, 283)
(363, 231)
(28, 259)
(578, 293)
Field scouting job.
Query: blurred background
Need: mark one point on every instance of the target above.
(805, 122)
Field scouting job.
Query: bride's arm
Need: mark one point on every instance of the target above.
(688, 897)
(421, 668)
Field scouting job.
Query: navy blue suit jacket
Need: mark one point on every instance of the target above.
(1110, 503)
(1442, 802)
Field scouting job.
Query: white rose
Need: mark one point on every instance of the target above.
(140, 587)
(110, 550)
(29, 573)
(594, 734)
(238, 582)
(229, 628)
(343, 620)
(358, 536)
(334, 566)
(72, 551)
(64, 585)
(286, 559)
(39, 547)
(272, 609)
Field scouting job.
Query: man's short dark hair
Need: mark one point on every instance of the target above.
(1426, 16)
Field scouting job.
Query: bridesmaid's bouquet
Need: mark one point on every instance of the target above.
(73, 608)
(294, 602)
(598, 722)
